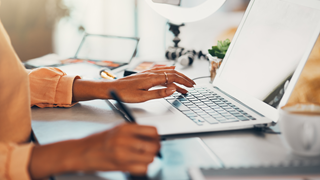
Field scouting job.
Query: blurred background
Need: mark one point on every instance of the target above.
(40, 27)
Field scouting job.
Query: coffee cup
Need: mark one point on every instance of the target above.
(300, 128)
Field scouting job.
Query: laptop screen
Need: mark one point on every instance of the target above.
(270, 44)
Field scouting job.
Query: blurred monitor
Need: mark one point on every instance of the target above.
(109, 51)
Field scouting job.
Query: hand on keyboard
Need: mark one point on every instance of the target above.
(136, 88)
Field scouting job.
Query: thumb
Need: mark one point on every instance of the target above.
(159, 93)
(170, 90)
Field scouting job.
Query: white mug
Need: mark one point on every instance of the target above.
(300, 127)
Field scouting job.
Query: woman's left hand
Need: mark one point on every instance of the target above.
(136, 88)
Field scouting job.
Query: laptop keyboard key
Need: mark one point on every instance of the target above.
(188, 103)
(252, 118)
(214, 114)
(194, 108)
(243, 118)
(169, 98)
(179, 105)
(205, 116)
(206, 109)
(220, 119)
(211, 120)
(231, 118)
(191, 98)
(197, 121)
(229, 121)
(191, 115)
(187, 111)
(235, 114)
(198, 111)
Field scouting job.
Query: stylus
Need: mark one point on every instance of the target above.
(126, 111)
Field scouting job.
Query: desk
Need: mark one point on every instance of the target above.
(234, 148)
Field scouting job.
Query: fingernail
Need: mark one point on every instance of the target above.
(170, 90)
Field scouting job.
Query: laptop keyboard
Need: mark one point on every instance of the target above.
(203, 105)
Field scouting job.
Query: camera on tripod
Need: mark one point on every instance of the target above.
(179, 54)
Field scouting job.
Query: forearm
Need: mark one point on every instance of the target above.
(55, 158)
(84, 90)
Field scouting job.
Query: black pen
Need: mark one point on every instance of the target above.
(126, 111)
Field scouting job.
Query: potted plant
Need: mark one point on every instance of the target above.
(216, 55)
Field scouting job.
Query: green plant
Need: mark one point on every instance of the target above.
(221, 49)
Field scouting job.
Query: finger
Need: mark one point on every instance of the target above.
(173, 77)
(176, 72)
(184, 76)
(149, 132)
(127, 156)
(161, 68)
(156, 79)
(158, 93)
(180, 90)
(168, 77)
(140, 145)
(137, 169)
(164, 67)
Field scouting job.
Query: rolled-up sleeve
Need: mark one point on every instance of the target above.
(51, 87)
(14, 161)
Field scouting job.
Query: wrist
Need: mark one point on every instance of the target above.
(103, 89)
(54, 158)
(73, 160)
(87, 89)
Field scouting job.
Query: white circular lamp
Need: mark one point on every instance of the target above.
(178, 14)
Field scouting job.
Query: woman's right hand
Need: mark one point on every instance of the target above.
(127, 147)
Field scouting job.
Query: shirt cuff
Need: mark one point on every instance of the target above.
(51, 87)
(64, 92)
(19, 162)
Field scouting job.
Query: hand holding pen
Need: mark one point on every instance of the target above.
(126, 111)
(129, 118)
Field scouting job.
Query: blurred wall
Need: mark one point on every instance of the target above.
(111, 17)
(35, 27)
(30, 25)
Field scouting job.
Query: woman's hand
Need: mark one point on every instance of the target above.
(134, 88)
(127, 147)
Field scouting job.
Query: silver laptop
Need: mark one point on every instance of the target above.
(258, 74)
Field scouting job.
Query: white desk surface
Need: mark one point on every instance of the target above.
(234, 148)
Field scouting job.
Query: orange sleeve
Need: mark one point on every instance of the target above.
(14, 161)
(51, 87)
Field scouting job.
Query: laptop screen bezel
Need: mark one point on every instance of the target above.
(251, 101)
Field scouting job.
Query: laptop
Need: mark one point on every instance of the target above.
(257, 76)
